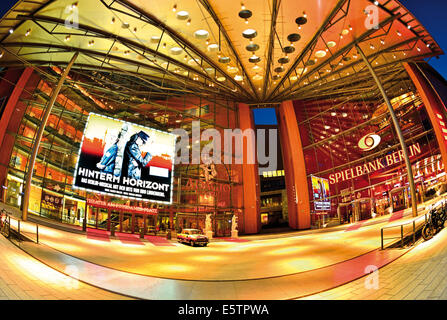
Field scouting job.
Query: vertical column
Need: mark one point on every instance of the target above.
(250, 176)
(294, 167)
(39, 135)
(434, 106)
(132, 226)
(144, 223)
(397, 128)
(171, 218)
(97, 217)
(109, 216)
(11, 117)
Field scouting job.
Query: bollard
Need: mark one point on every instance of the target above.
(381, 236)
(141, 233)
(414, 232)
(402, 235)
(18, 229)
(112, 230)
(84, 224)
(168, 235)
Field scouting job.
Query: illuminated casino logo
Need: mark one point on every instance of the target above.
(369, 142)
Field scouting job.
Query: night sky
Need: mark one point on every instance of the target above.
(431, 13)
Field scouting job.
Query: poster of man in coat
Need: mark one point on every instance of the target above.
(127, 160)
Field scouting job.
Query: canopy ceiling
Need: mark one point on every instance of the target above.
(284, 50)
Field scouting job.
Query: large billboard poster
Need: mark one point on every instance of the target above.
(320, 190)
(127, 160)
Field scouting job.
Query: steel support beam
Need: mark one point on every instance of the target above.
(398, 130)
(39, 134)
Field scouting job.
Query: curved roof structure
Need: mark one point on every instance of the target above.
(255, 51)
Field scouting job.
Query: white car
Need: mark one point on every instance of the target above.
(193, 237)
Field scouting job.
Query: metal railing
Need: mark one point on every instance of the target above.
(415, 226)
(18, 228)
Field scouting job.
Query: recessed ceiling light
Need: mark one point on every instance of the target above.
(249, 34)
(221, 79)
(257, 77)
(245, 14)
(279, 69)
(288, 49)
(301, 20)
(254, 59)
(331, 44)
(231, 69)
(213, 47)
(252, 47)
(155, 39)
(320, 53)
(201, 34)
(182, 15)
(293, 37)
(238, 77)
(176, 51)
(224, 59)
(283, 60)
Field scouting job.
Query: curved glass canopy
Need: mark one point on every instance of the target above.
(255, 51)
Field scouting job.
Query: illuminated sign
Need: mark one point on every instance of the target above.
(203, 186)
(320, 191)
(125, 160)
(369, 142)
(121, 207)
(372, 166)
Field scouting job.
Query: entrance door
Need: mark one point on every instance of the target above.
(363, 209)
(398, 199)
(223, 224)
(345, 212)
(115, 220)
(126, 224)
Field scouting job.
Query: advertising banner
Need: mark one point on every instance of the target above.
(320, 190)
(127, 160)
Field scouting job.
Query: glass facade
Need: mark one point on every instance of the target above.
(368, 182)
(52, 194)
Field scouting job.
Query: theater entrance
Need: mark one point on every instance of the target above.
(222, 224)
(137, 223)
